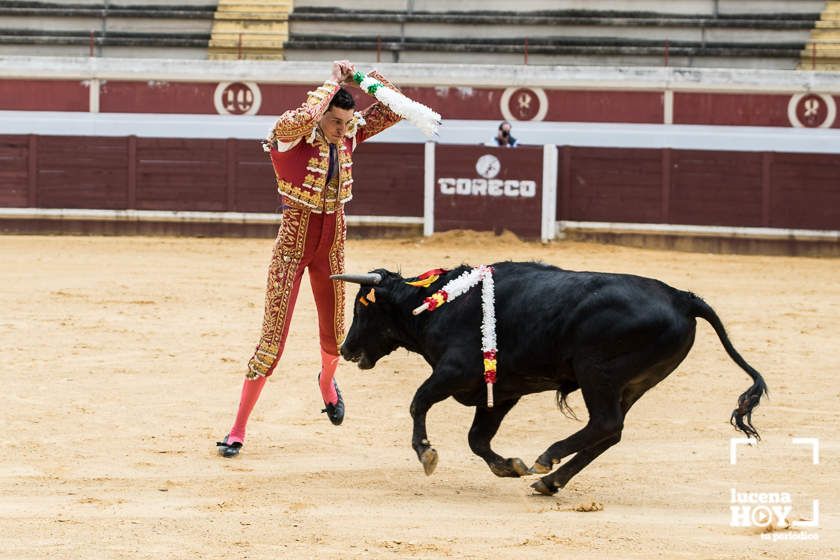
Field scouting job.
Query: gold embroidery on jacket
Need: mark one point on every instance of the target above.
(307, 197)
(302, 122)
(299, 122)
(311, 192)
(345, 166)
(378, 119)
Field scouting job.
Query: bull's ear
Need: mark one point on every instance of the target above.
(368, 298)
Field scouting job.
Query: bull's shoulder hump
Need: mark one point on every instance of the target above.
(505, 268)
(538, 273)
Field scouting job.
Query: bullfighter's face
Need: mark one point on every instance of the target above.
(334, 123)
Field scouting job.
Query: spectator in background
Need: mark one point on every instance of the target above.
(503, 137)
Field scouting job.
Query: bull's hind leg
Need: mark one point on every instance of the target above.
(629, 395)
(484, 427)
(606, 420)
(560, 477)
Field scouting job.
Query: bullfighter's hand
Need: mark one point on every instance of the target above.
(343, 71)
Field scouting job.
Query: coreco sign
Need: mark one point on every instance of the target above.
(486, 184)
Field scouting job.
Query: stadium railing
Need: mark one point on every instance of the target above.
(171, 30)
(567, 37)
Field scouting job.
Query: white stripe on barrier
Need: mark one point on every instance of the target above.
(561, 227)
(429, 190)
(93, 95)
(634, 78)
(90, 214)
(467, 132)
(668, 107)
(698, 231)
(549, 193)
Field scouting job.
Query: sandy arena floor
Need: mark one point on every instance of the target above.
(122, 360)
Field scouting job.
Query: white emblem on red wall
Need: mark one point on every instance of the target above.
(812, 110)
(524, 104)
(488, 166)
(237, 98)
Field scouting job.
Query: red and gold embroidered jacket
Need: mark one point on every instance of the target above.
(300, 154)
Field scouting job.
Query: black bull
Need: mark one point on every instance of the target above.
(613, 336)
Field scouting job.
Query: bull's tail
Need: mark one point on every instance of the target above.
(741, 416)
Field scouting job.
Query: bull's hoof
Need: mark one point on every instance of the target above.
(539, 468)
(519, 466)
(509, 468)
(429, 458)
(543, 488)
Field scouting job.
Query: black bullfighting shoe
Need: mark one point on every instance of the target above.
(335, 411)
(228, 449)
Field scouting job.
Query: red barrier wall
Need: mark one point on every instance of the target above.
(187, 174)
(712, 187)
(181, 174)
(743, 108)
(14, 171)
(804, 191)
(253, 187)
(44, 95)
(485, 188)
(699, 187)
(388, 180)
(754, 109)
(781, 190)
(82, 172)
(609, 184)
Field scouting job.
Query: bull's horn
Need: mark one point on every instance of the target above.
(369, 279)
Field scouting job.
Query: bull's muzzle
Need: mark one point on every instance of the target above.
(348, 355)
(358, 358)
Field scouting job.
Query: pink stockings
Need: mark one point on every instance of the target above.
(325, 380)
(252, 388)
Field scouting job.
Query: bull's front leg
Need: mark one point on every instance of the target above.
(484, 427)
(433, 390)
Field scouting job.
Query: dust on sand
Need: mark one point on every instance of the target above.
(122, 363)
